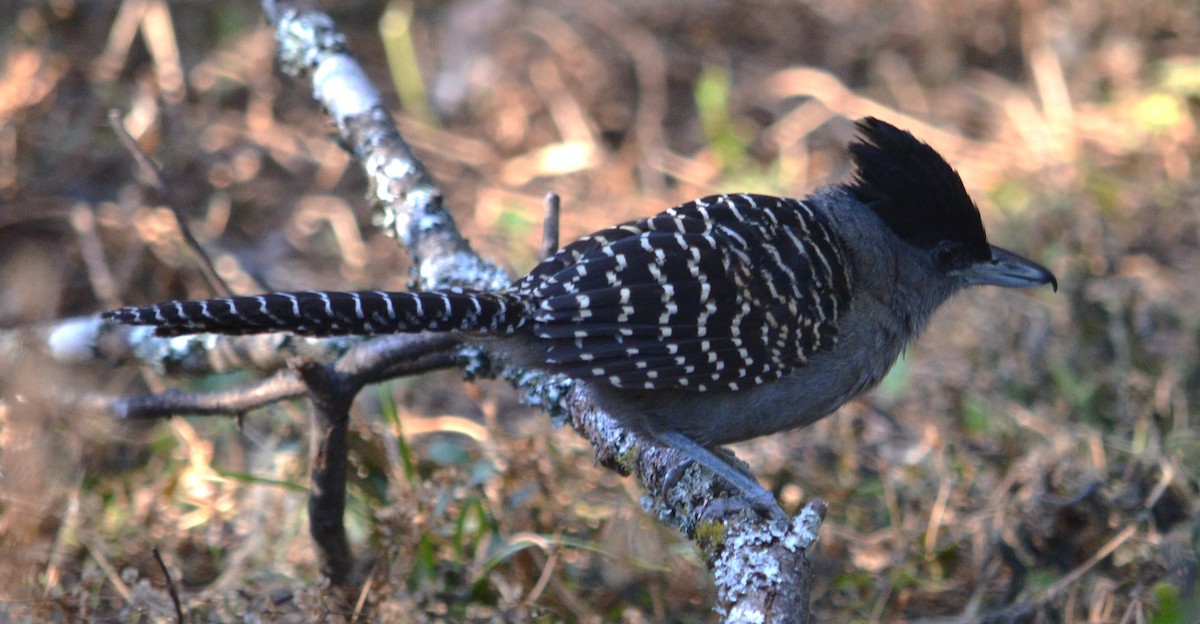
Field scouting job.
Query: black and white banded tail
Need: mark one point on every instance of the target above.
(327, 313)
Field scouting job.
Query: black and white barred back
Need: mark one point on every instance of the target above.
(720, 293)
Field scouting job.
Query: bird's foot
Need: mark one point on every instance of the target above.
(753, 494)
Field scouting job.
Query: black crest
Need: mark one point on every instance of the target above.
(914, 190)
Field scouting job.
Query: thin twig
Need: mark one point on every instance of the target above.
(110, 572)
(83, 221)
(282, 385)
(154, 174)
(236, 402)
(550, 226)
(544, 578)
(1074, 575)
(171, 589)
(362, 596)
(373, 361)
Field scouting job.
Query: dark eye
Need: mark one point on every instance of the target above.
(948, 254)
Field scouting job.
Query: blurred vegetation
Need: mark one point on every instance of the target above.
(1033, 459)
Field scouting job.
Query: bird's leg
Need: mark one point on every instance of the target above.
(744, 483)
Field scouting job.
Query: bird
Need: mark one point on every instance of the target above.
(719, 320)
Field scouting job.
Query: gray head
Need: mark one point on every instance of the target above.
(922, 200)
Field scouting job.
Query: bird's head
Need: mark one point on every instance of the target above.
(923, 200)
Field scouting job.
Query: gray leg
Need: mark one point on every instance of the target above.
(749, 487)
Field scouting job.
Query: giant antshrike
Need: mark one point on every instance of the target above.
(719, 320)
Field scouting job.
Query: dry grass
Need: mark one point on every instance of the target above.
(1033, 459)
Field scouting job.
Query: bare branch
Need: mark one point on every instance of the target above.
(331, 396)
(282, 385)
(368, 362)
(398, 355)
(550, 226)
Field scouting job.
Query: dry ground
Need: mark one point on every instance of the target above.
(1033, 459)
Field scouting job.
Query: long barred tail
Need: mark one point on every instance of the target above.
(321, 313)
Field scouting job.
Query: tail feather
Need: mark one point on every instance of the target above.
(327, 313)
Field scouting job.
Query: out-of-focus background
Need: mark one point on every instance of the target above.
(1033, 459)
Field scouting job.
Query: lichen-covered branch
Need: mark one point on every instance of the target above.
(404, 199)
